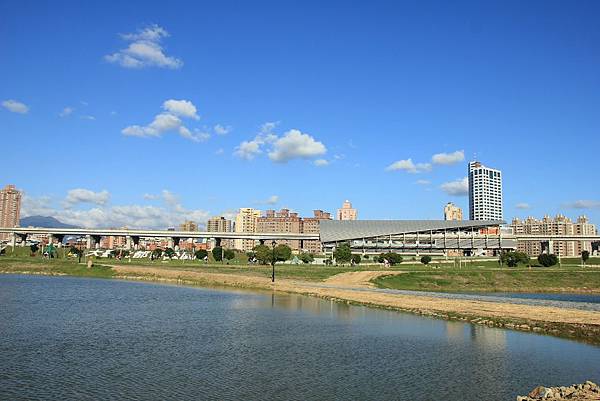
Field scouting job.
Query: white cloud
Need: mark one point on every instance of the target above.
(292, 145)
(523, 206)
(151, 197)
(423, 182)
(296, 145)
(248, 149)
(170, 120)
(584, 204)
(219, 151)
(88, 117)
(272, 200)
(448, 158)
(80, 195)
(145, 50)
(408, 166)
(181, 108)
(67, 111)
(222, 130)
(321, 162)
(459, 187)
(15, 106)
(103, 215)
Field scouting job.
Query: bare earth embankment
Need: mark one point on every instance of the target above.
(355, 288)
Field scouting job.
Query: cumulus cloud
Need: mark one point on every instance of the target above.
(248, 150)
(181, 108)
(296, 145)
(15, 106)
(80, 195)
(170, 120)
(170, 214)
(448, 158)
(523, 206)
(423, 182)
(67, 111)
(459, 187)
(144, 50)
(408, 166)
(584, 204)
(321, 162)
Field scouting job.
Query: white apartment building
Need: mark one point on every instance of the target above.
(485, 192)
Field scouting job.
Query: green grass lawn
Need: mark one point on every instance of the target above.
(496, 280)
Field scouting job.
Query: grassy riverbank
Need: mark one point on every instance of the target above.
(550, 280)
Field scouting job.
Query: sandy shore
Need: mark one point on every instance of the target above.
(355, 288)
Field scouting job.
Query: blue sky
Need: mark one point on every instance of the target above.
(140, 114)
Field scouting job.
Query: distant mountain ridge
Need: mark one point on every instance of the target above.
(44, 221)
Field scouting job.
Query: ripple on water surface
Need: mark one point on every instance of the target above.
(73, 338)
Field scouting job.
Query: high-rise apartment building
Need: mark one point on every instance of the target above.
(485, 192)
(245, 222)
(283, 221)
(452, 212)
(311, 225)
(559, 225)
(347, 212)
(188, 226)
(220, 224)
(10, 208)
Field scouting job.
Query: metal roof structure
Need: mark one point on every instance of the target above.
(343, 230)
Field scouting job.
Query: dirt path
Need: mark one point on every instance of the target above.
(360, 279)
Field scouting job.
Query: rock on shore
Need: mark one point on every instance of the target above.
(587, 391)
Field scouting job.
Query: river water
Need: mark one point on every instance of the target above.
(78, 339)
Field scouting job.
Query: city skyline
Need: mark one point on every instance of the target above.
(129, 137)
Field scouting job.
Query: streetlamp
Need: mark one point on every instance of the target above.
(273, 261)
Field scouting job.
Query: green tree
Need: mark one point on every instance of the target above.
(355, 259)
(547, 260)
(393, 258)
(263, 254)
(426, 259)
(217, 253)
(342, 254)
(169, 253)
(512, 258)
(282, 253)
(585, 255)
(200, 254)
(34, 248)
(306, 257)
(228, 254)
(157, 253)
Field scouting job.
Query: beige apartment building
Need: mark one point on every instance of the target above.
(452, 212)
(220, 224)
(188, 226)
(559, 225)
(245, 222)
(283, 221)
(10, 208)
(347, 212)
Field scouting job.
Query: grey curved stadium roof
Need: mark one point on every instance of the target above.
(342, 230)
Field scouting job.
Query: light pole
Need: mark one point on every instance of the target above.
(273, 261)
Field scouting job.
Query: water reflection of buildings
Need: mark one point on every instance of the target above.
(489, 337)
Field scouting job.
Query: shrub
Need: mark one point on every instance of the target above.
(547, 260)
(355, 259)
(426, 259)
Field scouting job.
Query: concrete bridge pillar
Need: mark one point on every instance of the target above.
(550, 246)
(23, 239)
(13, 242)
(136, 242)
(128, 242)
(88, 242)
(50, 238)
(218, 242)
(170, 242)
(60, 239)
